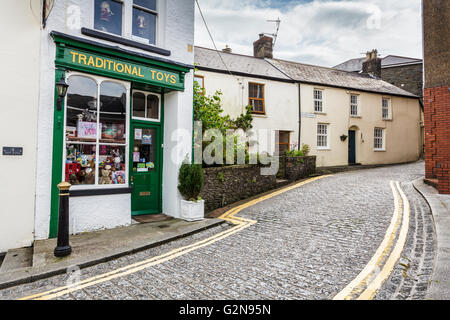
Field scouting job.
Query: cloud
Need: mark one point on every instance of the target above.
(322, 32)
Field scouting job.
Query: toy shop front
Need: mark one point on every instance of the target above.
(108, 132)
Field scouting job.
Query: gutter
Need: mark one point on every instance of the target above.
(299, 115)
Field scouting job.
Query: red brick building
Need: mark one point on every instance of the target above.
(436, 30)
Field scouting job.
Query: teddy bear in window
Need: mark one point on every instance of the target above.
(106, 175)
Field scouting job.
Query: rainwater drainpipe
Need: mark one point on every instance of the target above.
(299, 115)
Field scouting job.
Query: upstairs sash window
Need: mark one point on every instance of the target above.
(135, 19)
(144, 20)
(256, 97)
(108, 16)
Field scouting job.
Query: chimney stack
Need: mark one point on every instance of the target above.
(227, 49)
(372, 65)
(263, 47)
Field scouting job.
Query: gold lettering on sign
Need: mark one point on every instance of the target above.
(145, 194)
(111, 65)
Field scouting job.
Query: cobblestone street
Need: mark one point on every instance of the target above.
(308, 243)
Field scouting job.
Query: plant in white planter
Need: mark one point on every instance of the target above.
(190, 184)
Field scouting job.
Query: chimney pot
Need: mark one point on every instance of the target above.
(227, 49)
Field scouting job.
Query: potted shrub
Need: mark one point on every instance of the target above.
(190, 180)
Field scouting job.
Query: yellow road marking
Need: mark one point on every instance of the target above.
(370, 280)
(376, 284)
(240, 224)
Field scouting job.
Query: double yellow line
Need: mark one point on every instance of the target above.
(239, 225)
(366, 285)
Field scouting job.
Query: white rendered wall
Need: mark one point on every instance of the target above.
(175, 33)
(403, 138)
(178, 113)
(19, 92)
(99, 212)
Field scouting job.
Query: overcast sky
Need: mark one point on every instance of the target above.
(321, 32)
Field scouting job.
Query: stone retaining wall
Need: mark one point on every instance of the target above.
(226, 185)
(296, 168)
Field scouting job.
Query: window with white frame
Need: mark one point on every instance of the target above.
(354, 104)
(138, 15)
(322, 136)
(146, 106)
(379, 139)
(96, 143)
(386, 109)
(318, 100)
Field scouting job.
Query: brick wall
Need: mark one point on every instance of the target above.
(437, 136)
(436, 14)
(411, 76)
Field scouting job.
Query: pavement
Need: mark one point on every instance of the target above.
(88, 249)
(440, 206)
(308, 242)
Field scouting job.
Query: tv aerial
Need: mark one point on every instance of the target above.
(274, 35)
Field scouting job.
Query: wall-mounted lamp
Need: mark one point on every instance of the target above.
(61, 90)
(344, 137)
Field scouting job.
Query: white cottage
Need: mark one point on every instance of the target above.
(345, 117)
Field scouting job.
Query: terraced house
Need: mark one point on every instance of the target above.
(345, 117)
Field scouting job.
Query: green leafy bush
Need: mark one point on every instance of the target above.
(190, 180)
(295, 153)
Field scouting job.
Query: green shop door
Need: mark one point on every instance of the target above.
(145, 173)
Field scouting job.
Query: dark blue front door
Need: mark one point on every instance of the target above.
(351, 147)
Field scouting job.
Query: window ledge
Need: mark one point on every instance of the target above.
(323, 149)
(131, 43)
(100, 192)
(379, 150)
(259, 115)
(319, 112)
(357, 117)
(387, 119)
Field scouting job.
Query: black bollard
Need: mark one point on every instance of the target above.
(63, 248)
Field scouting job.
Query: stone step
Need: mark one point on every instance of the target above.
(17, 259)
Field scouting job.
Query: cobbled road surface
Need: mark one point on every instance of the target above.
(308, 243)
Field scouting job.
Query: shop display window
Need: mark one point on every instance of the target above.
(96, 133)
(113, 99)
(80, 164)
(146, 106)
(112, 165)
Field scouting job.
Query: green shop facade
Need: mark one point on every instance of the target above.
(108, 131)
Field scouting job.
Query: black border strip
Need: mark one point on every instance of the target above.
(99, 192)
(127, 42)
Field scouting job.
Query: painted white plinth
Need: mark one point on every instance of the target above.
(192, 211)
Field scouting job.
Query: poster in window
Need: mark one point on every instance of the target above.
(87, 130)
(147, 139)
(137, 134)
